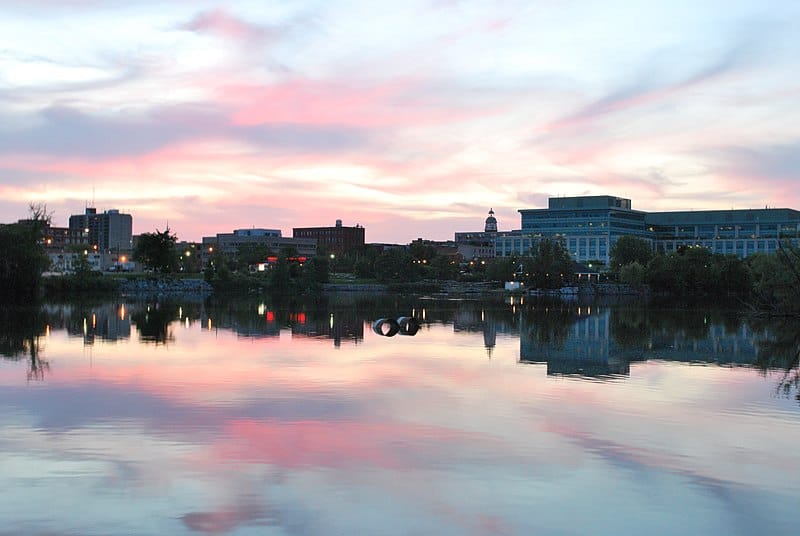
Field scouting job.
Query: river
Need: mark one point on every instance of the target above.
(191, 416)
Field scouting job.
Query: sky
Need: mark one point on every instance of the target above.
(409, 118)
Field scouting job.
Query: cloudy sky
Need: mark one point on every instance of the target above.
(410, 118)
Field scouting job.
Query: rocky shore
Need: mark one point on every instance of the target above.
(164, 286)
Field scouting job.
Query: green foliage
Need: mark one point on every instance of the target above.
(315, 273)
(157, 251)
(22, 257)
(420, 251)
(632, 274)
(396, 265)
(776, 283)
(695, 271)
(502, 268)
(280, 279)
(550, 267)
(443, 267)
(660, 275)
(248, 255)
(628, 249)
(364, 268)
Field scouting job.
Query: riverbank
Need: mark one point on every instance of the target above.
(127, 285)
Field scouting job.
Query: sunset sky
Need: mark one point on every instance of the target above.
(410, 118)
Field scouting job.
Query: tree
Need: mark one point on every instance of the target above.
(550, 267)
(502, 268)
(731, 274)
(660, 274)
(632, 274)
(280, 277)
(775, 285)
(444, 267)
(157, 251)
(364, 268)
(22, 255)
(421, 251)
(315, 272)
(250, 254)
(395, 265)
(628, 249)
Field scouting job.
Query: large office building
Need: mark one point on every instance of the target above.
(588, 226)
(737, 232)
(336, 240)
(108, 232)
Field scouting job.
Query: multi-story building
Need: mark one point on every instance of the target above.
(229, 243)
(63, 237)
(737, 232)
(109, 233)
(478, 244)
(588, 226)
(336, 240)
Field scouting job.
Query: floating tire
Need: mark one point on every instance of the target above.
(386, 327)
(408, 325)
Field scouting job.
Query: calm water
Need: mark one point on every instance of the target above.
(187, 417)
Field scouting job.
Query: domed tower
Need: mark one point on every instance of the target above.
(491, 223)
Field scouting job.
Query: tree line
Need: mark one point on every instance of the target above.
(769, 282)
(765, 281)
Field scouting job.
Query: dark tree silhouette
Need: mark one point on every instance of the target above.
(157, 251)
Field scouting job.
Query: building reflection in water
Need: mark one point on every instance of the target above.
(590, 340)
(572, 341)
(474, 320)
(602, 341)
(263, 320)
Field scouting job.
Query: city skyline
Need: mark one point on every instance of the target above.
(411, 120)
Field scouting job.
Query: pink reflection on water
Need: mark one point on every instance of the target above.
(298, 444)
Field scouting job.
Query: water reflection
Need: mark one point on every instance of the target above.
(21, 331)
(602, 341)
(779, 349)
(572, 341)
(588, 340)
(286, 415)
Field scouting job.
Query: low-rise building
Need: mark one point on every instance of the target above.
(229, 243)
(336, 240)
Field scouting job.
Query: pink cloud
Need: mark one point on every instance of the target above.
(397, 103)
(219, 22)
